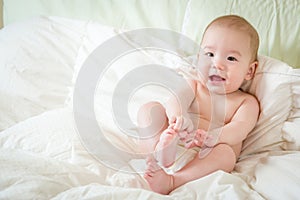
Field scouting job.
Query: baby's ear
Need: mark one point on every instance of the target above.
(251, 70)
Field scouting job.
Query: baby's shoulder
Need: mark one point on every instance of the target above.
(245, 98)
(193, 84)
(247, 95)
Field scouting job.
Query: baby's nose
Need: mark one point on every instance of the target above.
(218, 64)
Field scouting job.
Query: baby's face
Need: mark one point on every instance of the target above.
(231, 55)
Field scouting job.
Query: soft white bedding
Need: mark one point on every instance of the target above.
(42, 156)
(45, 154)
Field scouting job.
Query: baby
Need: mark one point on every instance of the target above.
(232, 44)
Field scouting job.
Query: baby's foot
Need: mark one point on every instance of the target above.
(158, 180)
(165, 151)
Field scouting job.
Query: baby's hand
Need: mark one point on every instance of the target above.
(181, 123)
(196, 138)
(167, 132)
(211, 140)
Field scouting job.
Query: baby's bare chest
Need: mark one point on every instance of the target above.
(216, 109)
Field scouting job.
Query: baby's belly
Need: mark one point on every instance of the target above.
(201, 123)
(198, 122)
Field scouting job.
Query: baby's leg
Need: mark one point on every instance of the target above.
(155, 134)
(165, 151)
(152, 121)
(222, 157)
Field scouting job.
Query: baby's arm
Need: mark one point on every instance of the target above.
(238, 128)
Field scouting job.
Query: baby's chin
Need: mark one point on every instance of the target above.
(216, 88)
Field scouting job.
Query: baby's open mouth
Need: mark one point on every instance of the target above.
(216, 78)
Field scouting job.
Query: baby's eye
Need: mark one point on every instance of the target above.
(209, 54)
(231, 58)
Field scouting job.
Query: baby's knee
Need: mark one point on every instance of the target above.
(226, 156)
(152, 104)
(149, 112)
(151, 121)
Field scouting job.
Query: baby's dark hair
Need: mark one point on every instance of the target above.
(239, 23)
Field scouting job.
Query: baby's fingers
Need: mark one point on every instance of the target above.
(178, 123)
(210, 141)
(183, 134)
(172, 120)
(200, 137)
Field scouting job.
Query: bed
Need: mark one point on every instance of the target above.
(46, 48)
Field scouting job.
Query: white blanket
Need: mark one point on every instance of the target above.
(42, 156)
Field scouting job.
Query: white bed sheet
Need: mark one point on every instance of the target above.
(43, 157)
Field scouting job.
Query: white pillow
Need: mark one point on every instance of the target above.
(36, 66)
(95, 34)
(277, 87)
